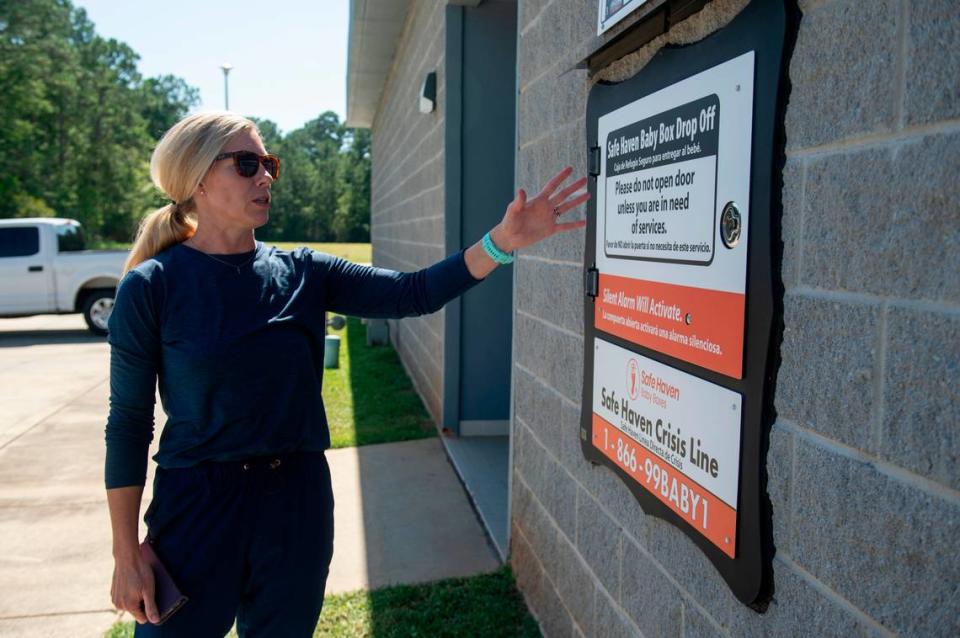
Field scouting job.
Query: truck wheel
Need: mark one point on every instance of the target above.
(96, 311)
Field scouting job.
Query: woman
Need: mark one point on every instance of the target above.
(242, 512)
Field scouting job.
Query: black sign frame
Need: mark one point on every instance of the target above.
(767, 27)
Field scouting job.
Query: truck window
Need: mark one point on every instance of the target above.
(19, 242)
(70, 238)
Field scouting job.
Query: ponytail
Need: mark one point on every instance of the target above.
(158, 231)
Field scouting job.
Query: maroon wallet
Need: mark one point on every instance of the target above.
(166, 594)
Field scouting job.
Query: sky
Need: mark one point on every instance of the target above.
(289, 57)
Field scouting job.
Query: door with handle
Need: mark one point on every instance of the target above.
(25, 284)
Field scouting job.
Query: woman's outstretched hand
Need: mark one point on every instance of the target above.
(528, 221)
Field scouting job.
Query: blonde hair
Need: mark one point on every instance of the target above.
(181, 159)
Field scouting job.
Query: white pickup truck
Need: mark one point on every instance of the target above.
(46, 268)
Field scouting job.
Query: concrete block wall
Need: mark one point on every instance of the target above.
(407, 223)
(863, 459)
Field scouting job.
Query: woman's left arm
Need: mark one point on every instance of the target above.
(528, 221)
(366, 291)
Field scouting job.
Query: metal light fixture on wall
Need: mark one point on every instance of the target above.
(428, 93)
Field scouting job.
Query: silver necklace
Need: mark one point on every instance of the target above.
(237, 267)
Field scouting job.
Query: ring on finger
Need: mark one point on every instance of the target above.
(556, 211)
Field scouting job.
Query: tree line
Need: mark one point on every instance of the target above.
(323, 193)
(78, 123)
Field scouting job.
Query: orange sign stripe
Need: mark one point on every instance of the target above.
(703, 511)
(657, 317)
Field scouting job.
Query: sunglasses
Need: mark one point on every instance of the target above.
(248, 163)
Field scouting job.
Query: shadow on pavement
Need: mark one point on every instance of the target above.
(418, 525)
(20, 338)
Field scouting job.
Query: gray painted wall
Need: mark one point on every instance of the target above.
(863, 459)
(407, 229)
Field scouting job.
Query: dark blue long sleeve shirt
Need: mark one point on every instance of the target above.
(239, 355)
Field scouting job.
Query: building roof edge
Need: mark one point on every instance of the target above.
(375, 28)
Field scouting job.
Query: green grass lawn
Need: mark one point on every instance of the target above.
(360, 253)
(487, 605)
(369, 398)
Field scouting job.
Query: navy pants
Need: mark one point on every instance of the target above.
(249, 540)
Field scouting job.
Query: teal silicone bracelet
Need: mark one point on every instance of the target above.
(494, 252)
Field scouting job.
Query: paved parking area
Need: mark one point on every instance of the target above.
(401, 515)
(55, 562)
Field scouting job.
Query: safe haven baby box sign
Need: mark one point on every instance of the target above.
(680, 272)
(673, 218)
(676, 435)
